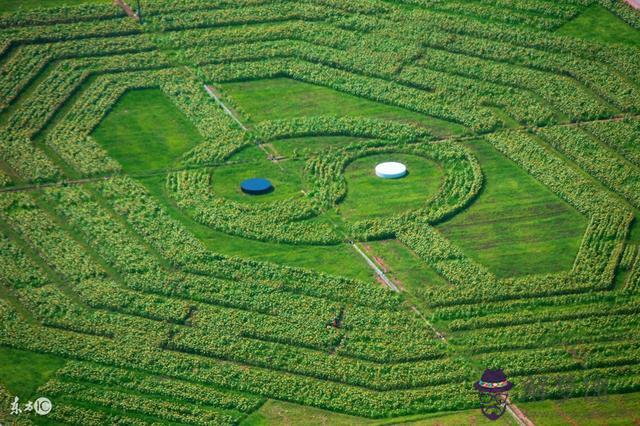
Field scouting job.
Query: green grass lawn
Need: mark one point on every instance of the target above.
(598, 24)
(283, 98)
(286, 177)
(146, 131)
(338, 260)
(16, 5)
(517, 226)
(283, 413)
(623, 409)
(22, 372)
(371, 197)
(406, 269)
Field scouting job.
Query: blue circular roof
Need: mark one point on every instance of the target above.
(256, 186)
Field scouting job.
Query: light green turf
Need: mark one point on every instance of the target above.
(621, 409)
(337, 260)
(16, 5)
(406, 269)
(274, 413)
(598, 24)
(403, 265)
(283, 98)
(145, 131)
(369, 196)
(517, 226)
(22, 372)
(286, 177)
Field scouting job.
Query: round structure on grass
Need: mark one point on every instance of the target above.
(391, 170)
(256, 186)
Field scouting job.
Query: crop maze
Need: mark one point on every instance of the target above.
(155, 326)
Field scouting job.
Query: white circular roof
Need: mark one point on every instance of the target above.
(391, 170)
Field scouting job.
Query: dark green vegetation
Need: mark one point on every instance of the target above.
(20, 5)
(598, 24)
(517, 226)
(146, 132)
(22, 372)
(610, 409)
(139, 286)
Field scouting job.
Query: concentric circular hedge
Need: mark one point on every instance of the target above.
(299, 219)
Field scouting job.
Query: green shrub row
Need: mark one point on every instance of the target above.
(616, 173)
(16, 268)
(434, 104)
(153, 385)
(129, 199)
(61, 309)
(294, 388)
(178, 412)
(595, 66)
(535, 335)
(446, 313)
(30, 60)
(67, 31)
(321, 365)
(622, 136)
(27, 160)
(545, 315)
(75, 415)
(59, 15)
(56, 247)
(559, 91)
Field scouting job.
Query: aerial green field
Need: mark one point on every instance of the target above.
(146, 132)
(517, 226)
(21, 5)
(284, 98)
(598, 24)
(140, 285)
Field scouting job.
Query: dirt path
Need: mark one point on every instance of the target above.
(375, 268)
(270, 150)
(230, 112)
(518, 415)
(127, 9)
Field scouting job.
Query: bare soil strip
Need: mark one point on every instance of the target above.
(518, 415)
(127, 9)
(216, 96)
(272, 156)
(375, 268)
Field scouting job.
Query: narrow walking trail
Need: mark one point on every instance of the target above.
(127, 9)
(375, 268)
(266, 148)
(216, 96)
